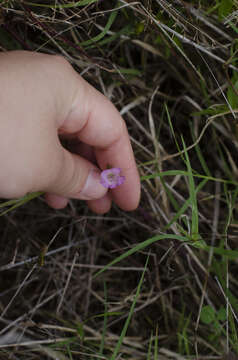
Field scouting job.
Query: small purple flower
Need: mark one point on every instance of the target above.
(111, 178)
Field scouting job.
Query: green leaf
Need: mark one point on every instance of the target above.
(208, 314)
(221, 315)
(224, 8)
(232, 95)
(80, 331)
(139, 27)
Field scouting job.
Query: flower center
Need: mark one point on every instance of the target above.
(111, 177)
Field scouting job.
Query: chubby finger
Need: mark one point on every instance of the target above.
(85, 151)
(56, 201)
(73, 177)
(98, 123)
(100, 206)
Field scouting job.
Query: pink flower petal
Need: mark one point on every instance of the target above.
(111, 178)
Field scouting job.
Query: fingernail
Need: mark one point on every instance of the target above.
(92, 188)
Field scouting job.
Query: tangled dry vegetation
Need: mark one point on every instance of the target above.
(171, 69)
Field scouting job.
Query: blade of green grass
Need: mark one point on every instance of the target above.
(125, 31)
(199, 154)
(231, 254)
(172, 129)
(127, 71)
(104, 321)
(222, 157)
(181, 172)
(139, 247)
(111, 19)
(233, 337)
(69, 352)
(184, 206)
(150, 347)
(127, 322)
(192, 192)
(65, 6)
(156, 348)
(19, 202)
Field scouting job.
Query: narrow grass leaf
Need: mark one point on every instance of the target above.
(200, 155)
(230, 254)
(104, 321)
(19, 202)
(125, 31)
(150, 347)
(140, 247)
(127, 322)
(65, 6)
(156, 347)
(185, 173)
(184, 206)
(172, 128)
(192, 192)
(111, 19)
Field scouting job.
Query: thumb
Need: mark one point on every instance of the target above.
(76, 178)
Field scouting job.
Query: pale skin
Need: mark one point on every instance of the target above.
(42, 97)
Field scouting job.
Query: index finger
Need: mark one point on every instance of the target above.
(98, 124)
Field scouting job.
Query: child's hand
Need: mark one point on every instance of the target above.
(41, 96)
